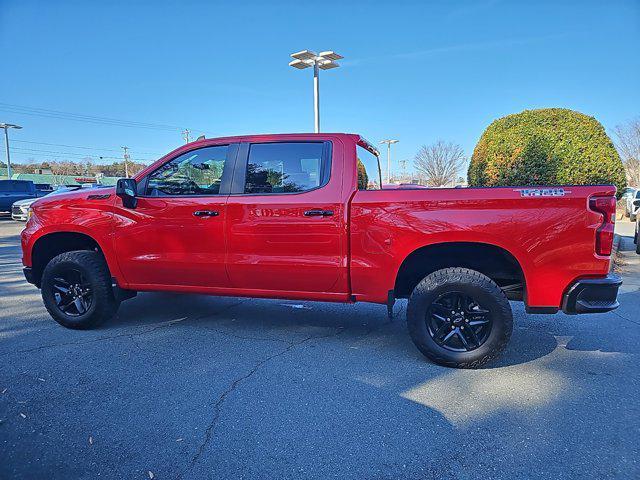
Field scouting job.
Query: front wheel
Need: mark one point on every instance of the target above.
(76, 290)
(458, 317)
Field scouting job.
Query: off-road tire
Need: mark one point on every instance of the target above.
(94, 269)
(477, 286)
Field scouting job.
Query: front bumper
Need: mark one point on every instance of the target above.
(19, 214)
(592, 295)
(28, 274)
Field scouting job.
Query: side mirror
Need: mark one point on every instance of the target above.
(126, 189)
(636, 203)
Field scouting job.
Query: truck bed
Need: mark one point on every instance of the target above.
(549, 231)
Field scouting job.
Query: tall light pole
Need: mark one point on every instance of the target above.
(6, 127)
(389, 142)
(323, 60)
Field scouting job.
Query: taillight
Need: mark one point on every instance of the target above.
(606, 206)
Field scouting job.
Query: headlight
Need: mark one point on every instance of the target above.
(29, 213)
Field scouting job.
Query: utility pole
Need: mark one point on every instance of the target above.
(389, 142)
(6, 127)
(403, 167)
(126, 161)
(185, 135)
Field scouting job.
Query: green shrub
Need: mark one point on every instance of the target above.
(552, 146)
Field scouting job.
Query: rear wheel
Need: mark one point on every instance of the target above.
(76, 290)
(459, 318)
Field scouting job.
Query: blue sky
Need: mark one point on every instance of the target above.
(415, 71)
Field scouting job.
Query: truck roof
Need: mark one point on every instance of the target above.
(267, 137)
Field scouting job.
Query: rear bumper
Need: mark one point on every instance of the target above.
(592, 295)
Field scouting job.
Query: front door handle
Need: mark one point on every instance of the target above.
(318, 213)
(206, 213)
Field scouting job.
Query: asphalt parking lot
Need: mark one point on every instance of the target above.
(181, 386)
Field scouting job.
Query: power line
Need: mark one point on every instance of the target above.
(31, 151)
(77, 117)
(81, 147)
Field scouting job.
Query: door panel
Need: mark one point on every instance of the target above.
(176, 234)
(162, 242)
(272, 244)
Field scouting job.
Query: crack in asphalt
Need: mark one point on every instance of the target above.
(100, 339)
(217, 407)
(130, 335)
(625, 318)
(245, 337)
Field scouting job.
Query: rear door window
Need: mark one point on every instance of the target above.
(293, 167)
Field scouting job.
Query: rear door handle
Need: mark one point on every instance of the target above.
(318, 213)
(206, 213)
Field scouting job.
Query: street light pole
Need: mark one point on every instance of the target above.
(389, 142)
(316, 98)
(323, 60)
(6, 127)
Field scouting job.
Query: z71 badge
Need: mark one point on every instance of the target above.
(541, 192)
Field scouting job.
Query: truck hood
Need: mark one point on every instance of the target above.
(77, 195)
(25, 203)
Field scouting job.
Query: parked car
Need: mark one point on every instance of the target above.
(302, 216)
(13, 190)
(636, 236)
(632, 207)
(20, 209)
(627, 195)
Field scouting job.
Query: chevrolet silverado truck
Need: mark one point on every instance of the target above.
(306, 217)
(12, 191)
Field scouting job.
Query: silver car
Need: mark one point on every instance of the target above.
(20, 209)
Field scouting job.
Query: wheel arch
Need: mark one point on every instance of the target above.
(52, 244)
(494, 261)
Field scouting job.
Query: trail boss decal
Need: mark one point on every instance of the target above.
(541, 192)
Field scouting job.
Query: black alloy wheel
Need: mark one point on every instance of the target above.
(458, 317)
(77, 289)
(72, 292)
(458, 323)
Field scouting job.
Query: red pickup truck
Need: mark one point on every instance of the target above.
(305, 216)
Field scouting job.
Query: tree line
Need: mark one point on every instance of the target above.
(78, 168)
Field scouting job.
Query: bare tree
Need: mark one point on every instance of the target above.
(629, 148)
(61, 170)
(439, 164)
